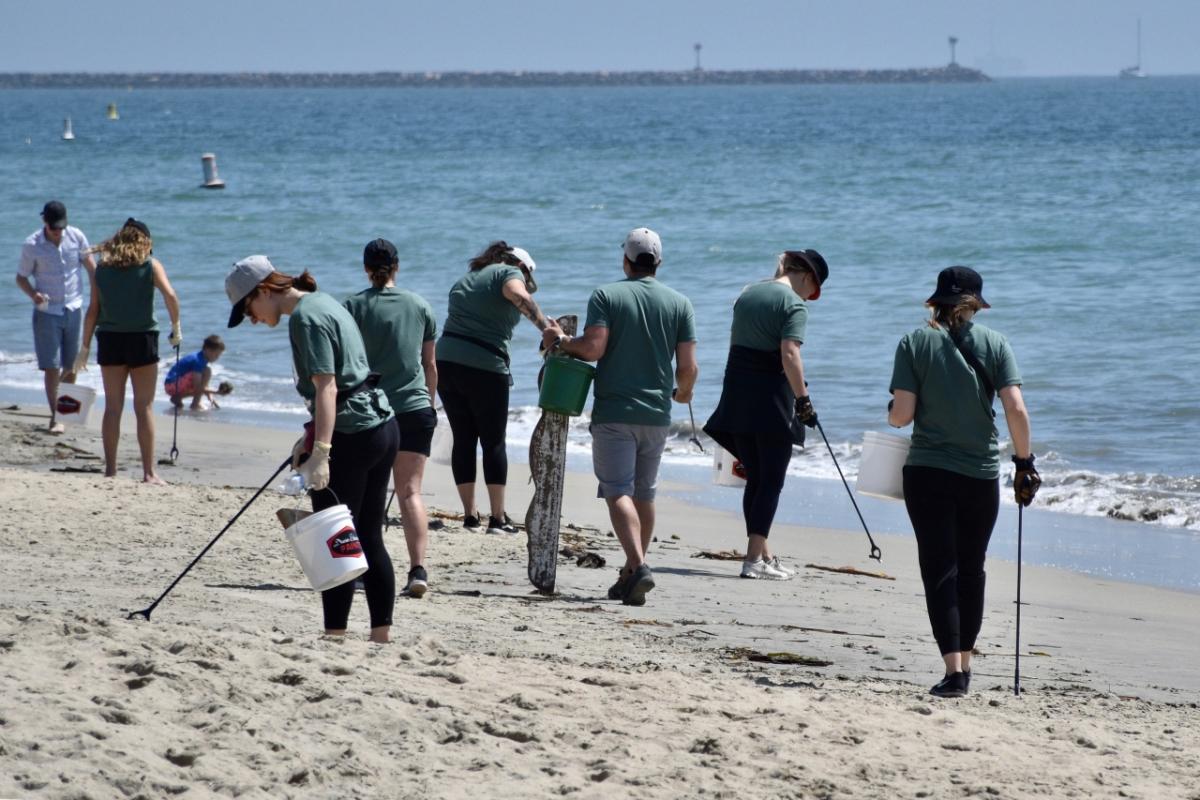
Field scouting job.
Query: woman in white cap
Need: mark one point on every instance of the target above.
(351, 441)
(945, 378)
(473, 370)
(122, 316)
(764, 398)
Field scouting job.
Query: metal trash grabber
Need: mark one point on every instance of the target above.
(175, 431)
(695, 439)
(1017, 649)
(876, 553)
(146, 611)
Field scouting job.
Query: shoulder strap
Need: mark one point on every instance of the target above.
(988, 387)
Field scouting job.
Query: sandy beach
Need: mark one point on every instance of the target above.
(490, 690)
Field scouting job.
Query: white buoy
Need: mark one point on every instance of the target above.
(68, 134)
(211, 179)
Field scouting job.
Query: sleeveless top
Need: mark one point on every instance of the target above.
(126, 299)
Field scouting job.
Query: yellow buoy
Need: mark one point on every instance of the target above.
(112, 111)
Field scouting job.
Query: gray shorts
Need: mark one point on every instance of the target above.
(626, 458)
(56, 338)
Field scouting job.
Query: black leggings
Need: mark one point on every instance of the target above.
(360, 466)
(952, 516)
(765, 458)
(476, 404)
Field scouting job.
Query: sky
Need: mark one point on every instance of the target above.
(1003, 37)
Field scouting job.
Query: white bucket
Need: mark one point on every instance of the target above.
(880, 469)
(442, 444)
(74, 403)
(328, 547)
(727, 470)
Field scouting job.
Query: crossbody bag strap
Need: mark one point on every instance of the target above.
(973, 360)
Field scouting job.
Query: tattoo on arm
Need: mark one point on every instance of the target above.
(530, 309)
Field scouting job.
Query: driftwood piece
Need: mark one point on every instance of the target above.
(853, 571)
(547, 464)
(721, 555)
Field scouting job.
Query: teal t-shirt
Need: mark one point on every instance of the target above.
(954, 429)
(325, 341)
(479, 309)
(646, 320)
(767, 313)
(395, 323)
(126, 298)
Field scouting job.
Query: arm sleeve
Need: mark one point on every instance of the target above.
(28, 262)
(503, 276)
(318, 353)
(597, 311)
(1006, 370)
(795, 322)
(83, 243)
(687, 323)
(430, 324)
(904, 376)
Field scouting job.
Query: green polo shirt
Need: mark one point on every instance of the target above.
(646, 320)
(479, 309)
(325, 341)
(767, 313)
(395, 323)
(954, 429)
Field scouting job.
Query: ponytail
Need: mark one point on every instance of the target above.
(381, 275)
(281, 282)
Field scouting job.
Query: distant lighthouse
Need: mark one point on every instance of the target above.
(697, 47)
(953, 45)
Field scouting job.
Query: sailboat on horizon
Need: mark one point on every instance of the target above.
(1135, 72)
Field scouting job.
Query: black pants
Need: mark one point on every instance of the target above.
(476, 404)
(360, 466)
(952, 516)
(765, 458)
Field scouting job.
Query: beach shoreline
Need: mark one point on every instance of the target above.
(231, 690)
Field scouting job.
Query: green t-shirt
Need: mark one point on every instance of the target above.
(479, 309)
(394, 324)
(767, 313)
(325, 341)
(646, 320)
(126, 299)
(954, 429)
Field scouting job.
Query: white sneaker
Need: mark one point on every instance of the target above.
(762, 570)
(774, 562)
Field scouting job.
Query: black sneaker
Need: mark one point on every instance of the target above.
(504, 525)
(617, 589)
(636, 586)
(471, 522)
(953, 685)
(418, 582)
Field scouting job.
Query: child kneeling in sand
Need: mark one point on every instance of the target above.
(189, 376)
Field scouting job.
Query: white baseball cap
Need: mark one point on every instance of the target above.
(523, 256)
(641, 241)
(242, 280)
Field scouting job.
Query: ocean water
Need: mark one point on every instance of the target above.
(1075, 198)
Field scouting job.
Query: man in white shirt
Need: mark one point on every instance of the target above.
(52, 257)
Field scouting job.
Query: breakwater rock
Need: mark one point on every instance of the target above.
(311, 80)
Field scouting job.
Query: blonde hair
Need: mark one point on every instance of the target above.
(128, 247)
(790, 263)
(954, 316)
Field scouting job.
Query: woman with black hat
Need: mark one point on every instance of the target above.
(764, 398)
(351, 444)
(399, 331)
(121, 314)
(473, 370)
(944, 380)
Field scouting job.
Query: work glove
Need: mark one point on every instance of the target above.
(805, 412)
(316, 469)
(299, 451)
(176, 337)
(1026, 480)
(81, 360)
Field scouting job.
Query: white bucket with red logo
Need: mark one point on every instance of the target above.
(74, 403)
(328, 547)
(727, 470)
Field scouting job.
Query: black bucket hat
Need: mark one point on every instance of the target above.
(955, 283)
(815, 263)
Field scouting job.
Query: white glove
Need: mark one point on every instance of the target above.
(299, 449)
(316, 469)
(81, 361)
(176, 337)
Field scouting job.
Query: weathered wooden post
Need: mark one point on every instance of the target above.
(547, 465)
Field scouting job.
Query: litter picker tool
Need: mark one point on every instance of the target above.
(177, 404)
(695, 439)
(876, 553)
(147, 611)
(1017, 648)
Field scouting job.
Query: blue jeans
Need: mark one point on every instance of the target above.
(56, 338)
